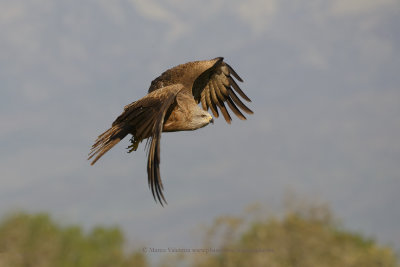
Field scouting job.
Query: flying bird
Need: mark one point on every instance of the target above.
(172, 105)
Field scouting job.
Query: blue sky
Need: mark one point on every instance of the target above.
(323, 77)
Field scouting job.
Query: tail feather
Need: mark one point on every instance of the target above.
(106, 141)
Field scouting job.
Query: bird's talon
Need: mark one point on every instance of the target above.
(134, 146)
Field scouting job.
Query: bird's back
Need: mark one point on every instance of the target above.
(184, 74)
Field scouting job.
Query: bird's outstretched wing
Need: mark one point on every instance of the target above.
(143, 119)
(216, 86)
(153, 143)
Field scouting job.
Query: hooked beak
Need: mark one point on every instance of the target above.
(212, 120)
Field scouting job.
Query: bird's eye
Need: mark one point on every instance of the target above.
(203, 115)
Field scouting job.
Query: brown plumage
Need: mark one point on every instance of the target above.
(172, 105)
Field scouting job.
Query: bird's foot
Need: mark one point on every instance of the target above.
(134, 146)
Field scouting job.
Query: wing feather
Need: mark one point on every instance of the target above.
(210, 103)
(231, 70)
(153, 163)
(221, 86)
(217, 86)
(237, 89)
(218, 91)
(239, 102)
(235, 109)
(219, 101)
(213, 94)
(204, 102)
(225, 112)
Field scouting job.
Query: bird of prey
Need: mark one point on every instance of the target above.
(172, 105)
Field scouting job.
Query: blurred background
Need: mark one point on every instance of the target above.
(322, 75)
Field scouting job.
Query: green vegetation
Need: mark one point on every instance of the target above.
(37, 241)
(307, 238)
(302, 237)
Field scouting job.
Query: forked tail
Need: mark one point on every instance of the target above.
(106, 141)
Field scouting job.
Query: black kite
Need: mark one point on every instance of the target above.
(172, 105)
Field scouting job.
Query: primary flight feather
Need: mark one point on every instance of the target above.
(172, 105)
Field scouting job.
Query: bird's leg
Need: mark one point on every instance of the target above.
(135, 143)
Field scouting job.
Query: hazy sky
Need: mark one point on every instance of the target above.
(323, 77)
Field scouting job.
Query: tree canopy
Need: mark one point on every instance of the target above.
(36, 240)
(306, 237)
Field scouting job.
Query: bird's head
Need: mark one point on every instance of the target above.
(200, 118)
